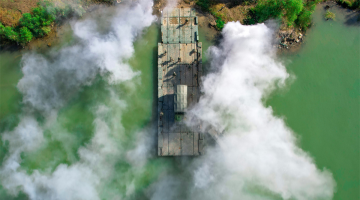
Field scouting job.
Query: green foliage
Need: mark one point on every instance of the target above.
(345, 3)
(25, 35)
(2, 28)
(287, 10)
(290, 12)
(204, 4)
(304, 19)
(10, 34)
(36, 21)
(265, 10)
(356, 4)
(66, 12)
(349, 4)
(293, 9)
(329, 15)
(220, 23)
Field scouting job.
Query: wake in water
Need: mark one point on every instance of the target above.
(257, 158)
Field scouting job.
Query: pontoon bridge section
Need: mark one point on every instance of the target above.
(179, 72)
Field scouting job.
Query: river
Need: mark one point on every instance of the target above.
(320, 104)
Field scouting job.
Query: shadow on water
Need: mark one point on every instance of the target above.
(154, 121)
(352, 18)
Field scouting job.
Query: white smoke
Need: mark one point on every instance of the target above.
(48, 84)
(258, 156)
(81, 180)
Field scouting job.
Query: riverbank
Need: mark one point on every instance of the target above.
(215, 13)
(320, 106)
(25, 22)
(288, 38)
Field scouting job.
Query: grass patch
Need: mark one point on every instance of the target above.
(329, 15)
(9, 16)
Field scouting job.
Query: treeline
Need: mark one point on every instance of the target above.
(37, 23)
(290, 12)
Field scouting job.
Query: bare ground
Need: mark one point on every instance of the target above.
(12, 10)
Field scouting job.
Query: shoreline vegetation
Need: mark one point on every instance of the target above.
(294, 17)
(329, 15)
(39, 18)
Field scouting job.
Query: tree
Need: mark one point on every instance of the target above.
(37, 22)
(25, 35)
(10, 34)
(2, 29)
(292, 9)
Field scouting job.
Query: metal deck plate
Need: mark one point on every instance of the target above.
(179, 63)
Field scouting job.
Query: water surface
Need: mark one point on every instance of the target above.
(322, 104)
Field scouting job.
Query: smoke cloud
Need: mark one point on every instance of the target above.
(49, 83)
(82, 180)
(258, 156)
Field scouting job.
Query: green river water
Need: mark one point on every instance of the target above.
(321, 105)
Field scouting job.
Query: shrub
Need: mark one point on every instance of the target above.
(292, 10)
(204, 4)
(37, 21)
(288, 10)
(25, 35)
(304, 19)
(329, 15)
(345, 3)
(349, 4)
(220, 23)
(356, 4)
(10, 34)
(66, 12)
(46, 29)
(2, 28)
